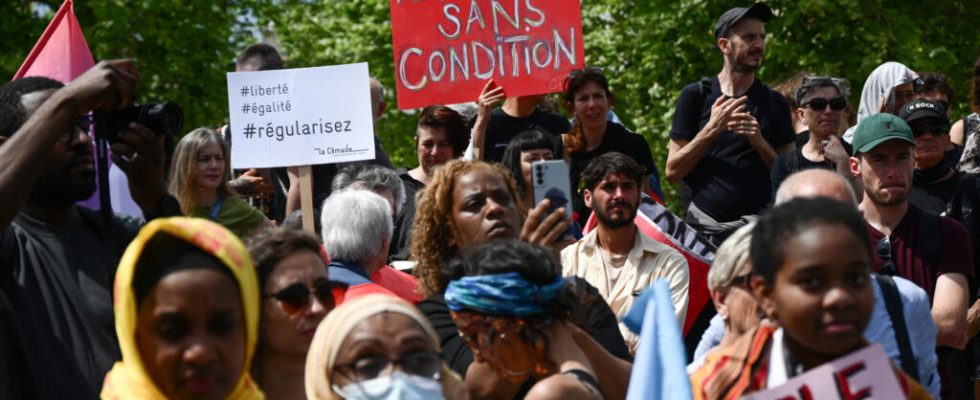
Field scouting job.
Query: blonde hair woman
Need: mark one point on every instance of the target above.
(199, 176)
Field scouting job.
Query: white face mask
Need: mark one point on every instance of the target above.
(396, 386)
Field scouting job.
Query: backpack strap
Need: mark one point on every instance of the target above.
(893, 303)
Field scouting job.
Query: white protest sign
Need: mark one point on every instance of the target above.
(865, 374)
(302, 116)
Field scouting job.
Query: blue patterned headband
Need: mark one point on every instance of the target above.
(506, 294)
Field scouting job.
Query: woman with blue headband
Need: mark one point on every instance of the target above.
(514, 310)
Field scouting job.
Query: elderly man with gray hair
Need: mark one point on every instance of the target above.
(356, 232)
(822, 101)
(385, 183)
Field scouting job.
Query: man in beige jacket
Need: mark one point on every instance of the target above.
(616, 257)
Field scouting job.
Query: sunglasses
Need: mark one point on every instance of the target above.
(296, 297)
(742, 281)
(83, 122)
(820, 104)
(884, 250)
(935, 129)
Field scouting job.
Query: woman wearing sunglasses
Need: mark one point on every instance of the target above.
(378, 347)
(588, 98)
(296, 295)
(822, 102)
(187, 314)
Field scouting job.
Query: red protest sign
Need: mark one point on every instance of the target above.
(446, 50)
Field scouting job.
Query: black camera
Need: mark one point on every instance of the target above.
(164, 118)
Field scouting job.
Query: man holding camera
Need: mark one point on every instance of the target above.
(57, 259)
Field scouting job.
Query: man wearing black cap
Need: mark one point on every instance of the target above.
(728, 129)
(936, 178)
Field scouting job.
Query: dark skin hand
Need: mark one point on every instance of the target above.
(140, 154)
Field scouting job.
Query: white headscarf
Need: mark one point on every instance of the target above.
(879, 88)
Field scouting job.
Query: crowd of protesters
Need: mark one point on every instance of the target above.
(446, 279)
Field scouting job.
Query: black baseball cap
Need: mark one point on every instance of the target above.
(923, 109)
(759, 11)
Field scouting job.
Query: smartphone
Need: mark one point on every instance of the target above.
(550, 180)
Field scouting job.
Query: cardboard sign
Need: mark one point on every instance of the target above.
(445, 51)
(302, 116)
(866, 374)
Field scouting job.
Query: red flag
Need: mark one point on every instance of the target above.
(61, 53)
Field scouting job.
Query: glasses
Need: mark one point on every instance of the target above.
(884, 250)
(934, 129)
(83, 122)
(820, 104)
(296, 297)
(742, 281)
(420, 363)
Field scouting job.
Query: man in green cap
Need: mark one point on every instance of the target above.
(932, 251)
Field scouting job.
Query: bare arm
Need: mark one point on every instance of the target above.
(489, 97)
(108, 85)
(949, 310)
(956, 134)
(684, 155)
(292, 194)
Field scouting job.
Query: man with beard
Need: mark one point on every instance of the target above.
(929, 250)
(58, 260)
(728, 131)
(616, 257)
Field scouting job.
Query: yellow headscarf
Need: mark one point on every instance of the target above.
(332, 331)
(128, 378)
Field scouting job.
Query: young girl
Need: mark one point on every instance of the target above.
(811, 262)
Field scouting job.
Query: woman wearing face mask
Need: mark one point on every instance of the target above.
(199, 178)
(378, 347)
(186, 315)
(296, 295)
(811, 264)
(524, 149)
(513, 308)
(588, 97)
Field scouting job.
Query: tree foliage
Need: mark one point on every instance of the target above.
(650, 49)
(183, 48)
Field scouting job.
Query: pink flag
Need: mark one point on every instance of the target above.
(61, 53)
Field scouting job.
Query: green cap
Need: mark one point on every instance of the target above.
(880, 128)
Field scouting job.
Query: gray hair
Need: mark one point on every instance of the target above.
(813, 82)
(356, 225)
(732, 259)
(371, 177)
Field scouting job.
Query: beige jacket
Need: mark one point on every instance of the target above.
(648, 261)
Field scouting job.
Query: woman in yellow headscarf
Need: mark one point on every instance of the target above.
(187, 312)
(378, 347)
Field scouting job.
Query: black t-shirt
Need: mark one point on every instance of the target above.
(731, 180)
(59, 281)
(786, 164)
(617, 138)
(502, 128)
(933, 196)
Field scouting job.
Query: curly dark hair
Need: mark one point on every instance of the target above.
(270, 246)
(612, 163)
(433, 225)
(446, 118)
(780, 224)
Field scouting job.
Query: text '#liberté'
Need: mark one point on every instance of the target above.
(515, 55)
